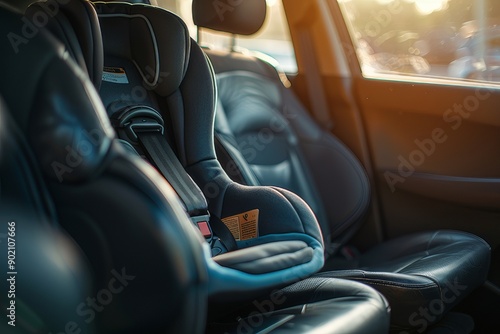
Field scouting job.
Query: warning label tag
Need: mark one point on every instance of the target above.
(243, 226)
(115, 75)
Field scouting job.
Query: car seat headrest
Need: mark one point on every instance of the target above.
(134, 32)
(240, 17)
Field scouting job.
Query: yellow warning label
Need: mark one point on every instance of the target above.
(233, 224)
(243, 226)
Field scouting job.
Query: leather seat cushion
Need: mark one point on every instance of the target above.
(423, 274)
(320, 305)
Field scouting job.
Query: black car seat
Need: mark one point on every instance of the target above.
(329, 305)
(39, 260)
(412, 272)
(148, 271)
(156, 76)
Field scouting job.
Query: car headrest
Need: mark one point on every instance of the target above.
(75, 24)
(240, 17)
(134, 32)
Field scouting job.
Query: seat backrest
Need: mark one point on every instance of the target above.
(262, 127)
(40, 259)
(147, 259)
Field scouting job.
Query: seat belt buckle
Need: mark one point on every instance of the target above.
(203, 224)
(205, 230)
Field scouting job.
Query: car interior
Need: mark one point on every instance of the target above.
(153, 181)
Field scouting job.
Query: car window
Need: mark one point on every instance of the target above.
(273, 39)
(457, 39)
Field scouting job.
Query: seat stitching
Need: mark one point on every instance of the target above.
(387, 282)
(392, 284)
(430, 241)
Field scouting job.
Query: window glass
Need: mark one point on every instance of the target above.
(273, 39)
(457, 39)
